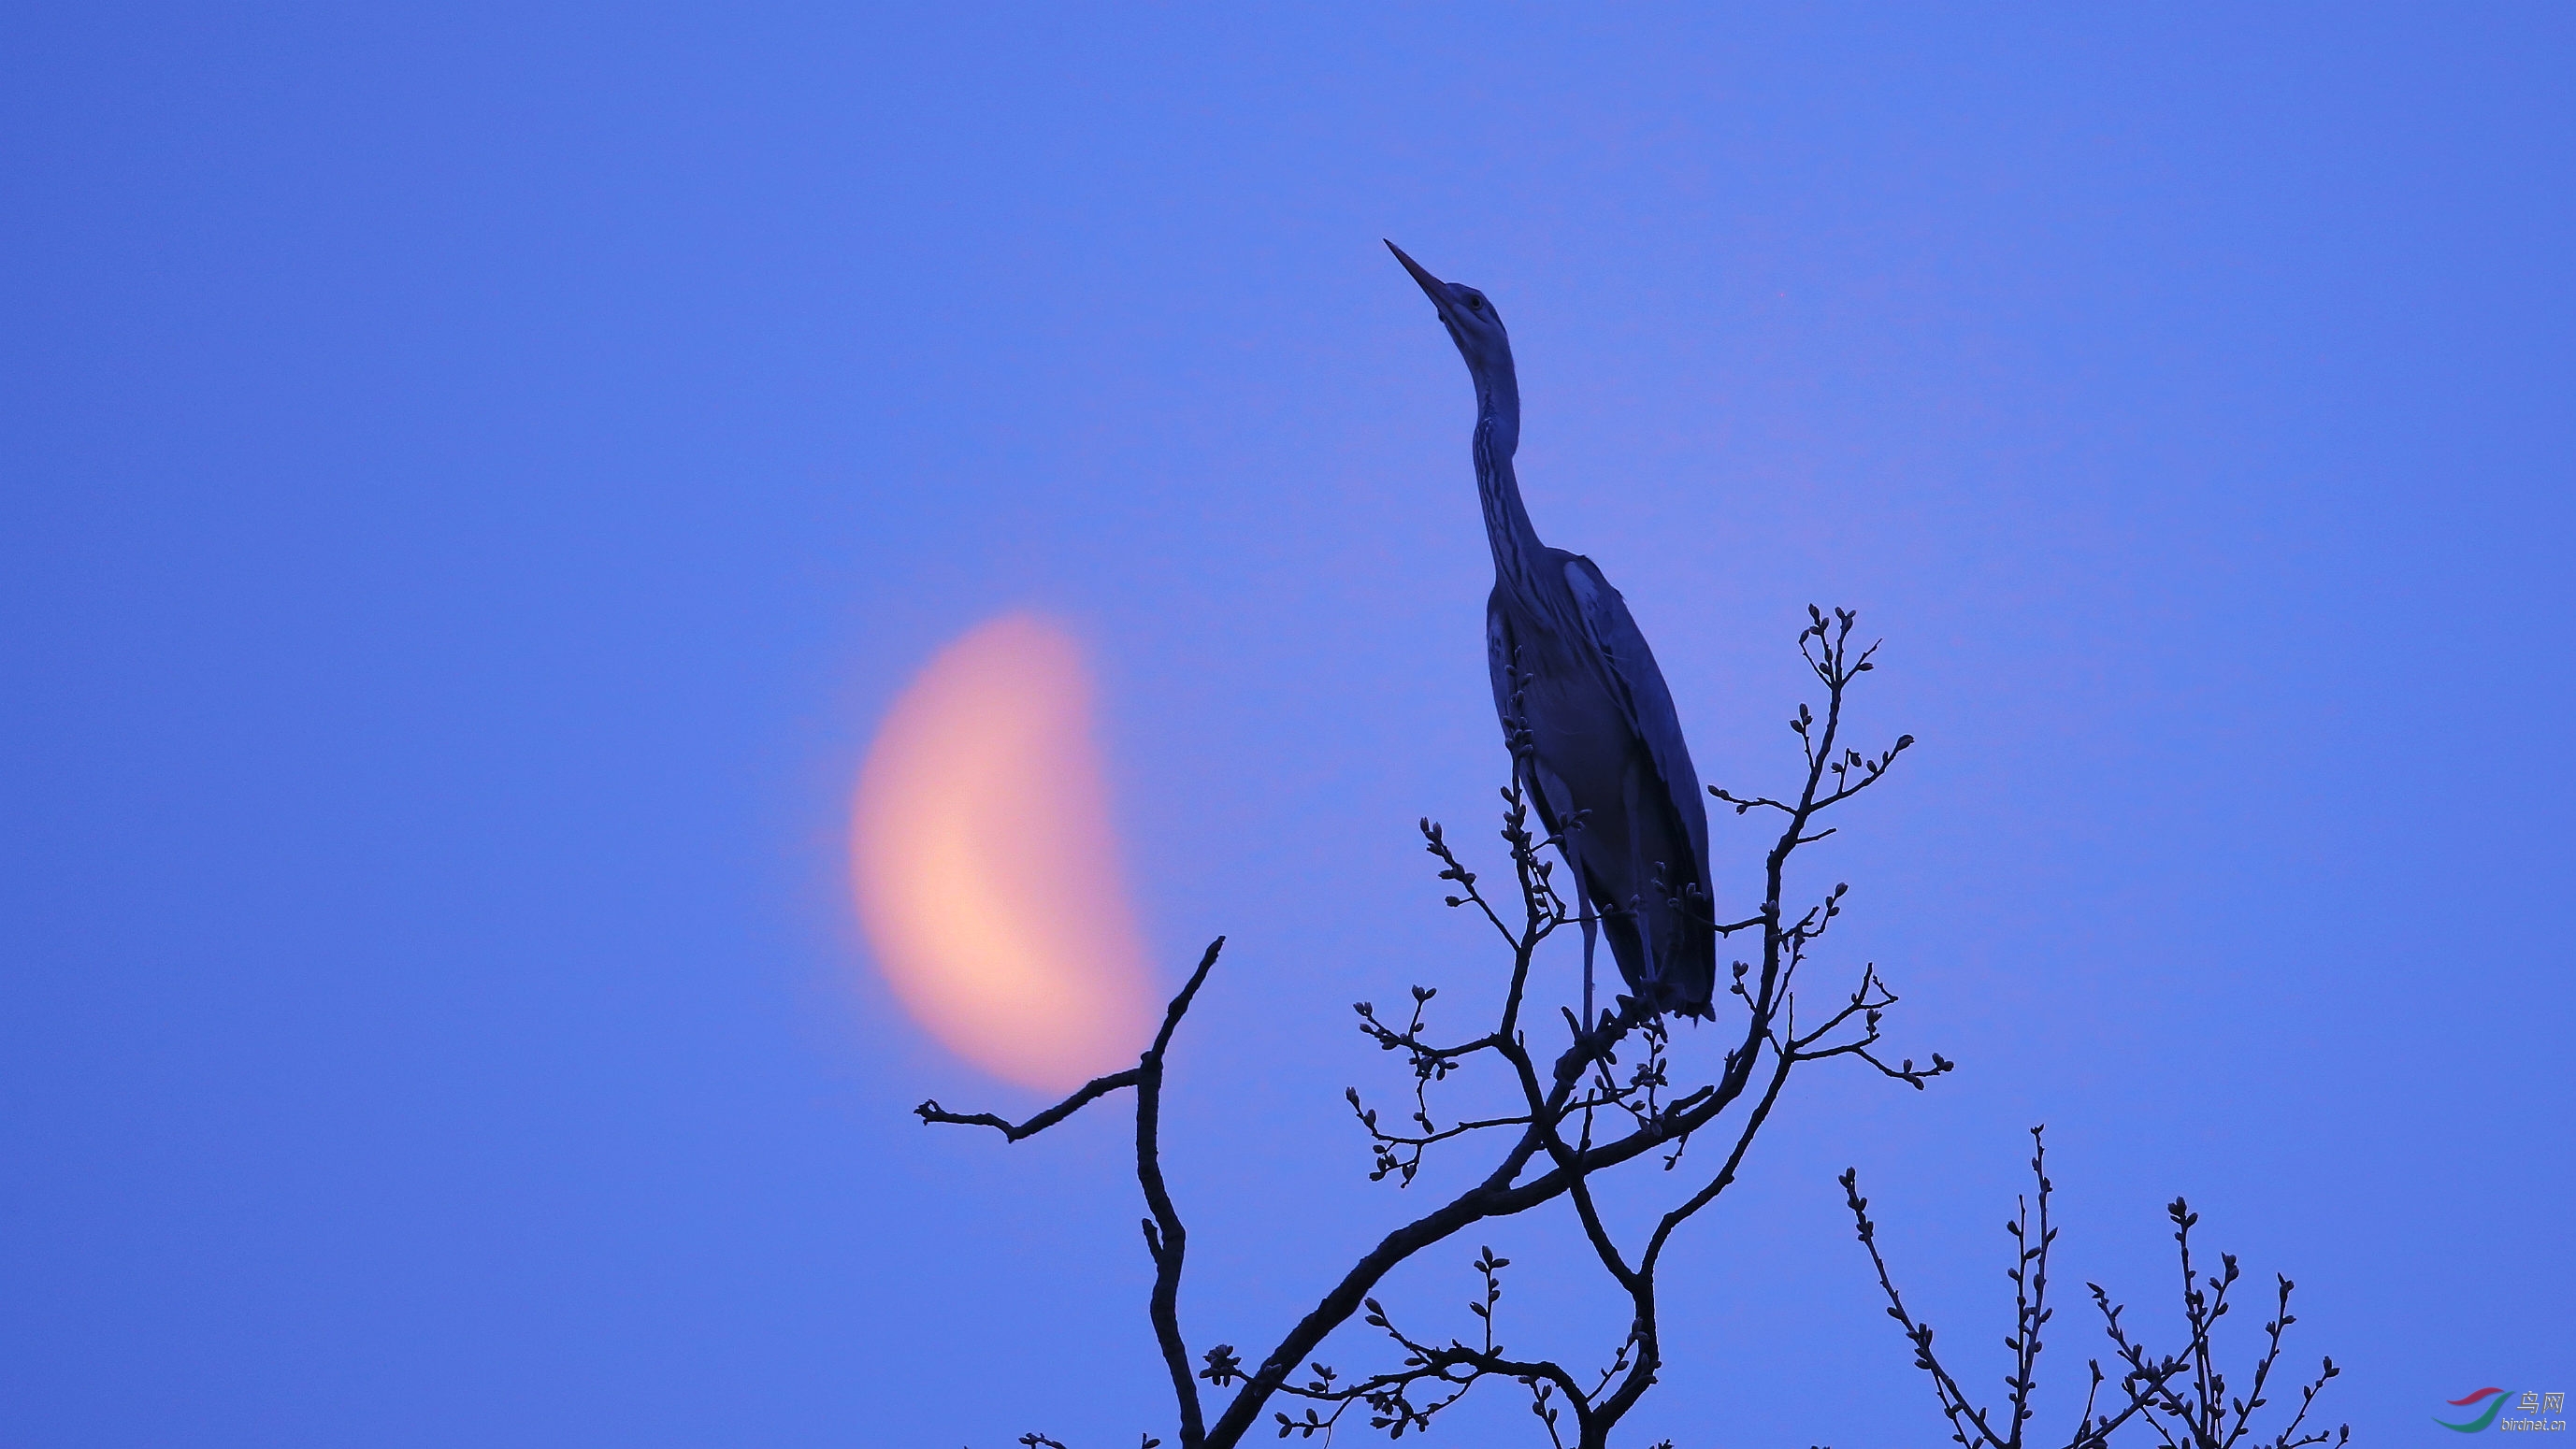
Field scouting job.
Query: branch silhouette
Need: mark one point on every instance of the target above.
(2182, 1398)
(1579, 1116)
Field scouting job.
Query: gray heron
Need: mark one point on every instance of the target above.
(1594, 738)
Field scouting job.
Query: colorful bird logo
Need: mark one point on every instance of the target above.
(2482, 1420)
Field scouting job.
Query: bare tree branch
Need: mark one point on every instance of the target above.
(2153, 1387)
(1549, 1148)
(931, 1111)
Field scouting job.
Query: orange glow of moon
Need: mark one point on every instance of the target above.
(986, 865)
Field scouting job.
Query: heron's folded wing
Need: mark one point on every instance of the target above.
(1641, 692)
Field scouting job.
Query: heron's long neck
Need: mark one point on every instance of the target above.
(1498, 436)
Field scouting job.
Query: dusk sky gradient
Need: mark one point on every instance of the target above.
(476, 478)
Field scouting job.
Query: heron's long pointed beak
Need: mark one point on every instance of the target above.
(1436, 289)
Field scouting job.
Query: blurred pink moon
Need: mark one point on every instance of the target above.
(986, 865)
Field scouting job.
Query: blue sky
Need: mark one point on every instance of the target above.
(475, 478)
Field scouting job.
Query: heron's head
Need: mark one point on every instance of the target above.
(1472, 322)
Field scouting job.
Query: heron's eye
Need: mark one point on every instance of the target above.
(1475, 303)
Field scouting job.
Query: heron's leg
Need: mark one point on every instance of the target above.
(1590, 920)
(1590, 935)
